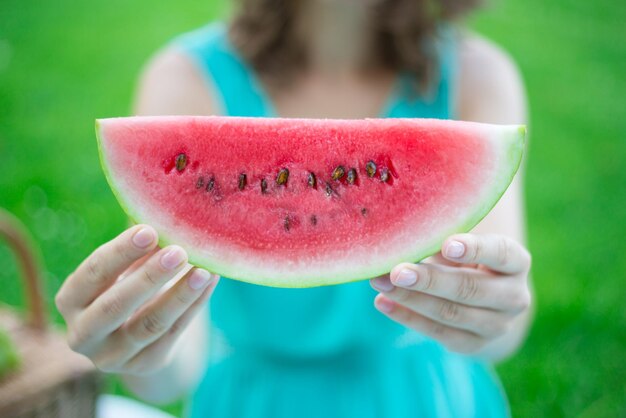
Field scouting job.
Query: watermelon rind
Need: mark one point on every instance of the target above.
(512, 137)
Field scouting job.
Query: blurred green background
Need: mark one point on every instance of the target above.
(64, 63)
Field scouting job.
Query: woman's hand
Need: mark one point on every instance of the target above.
(115, 312)
(472, 293)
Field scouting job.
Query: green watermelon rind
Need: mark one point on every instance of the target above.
(514, 155)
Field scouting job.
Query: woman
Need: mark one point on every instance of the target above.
(419, 341)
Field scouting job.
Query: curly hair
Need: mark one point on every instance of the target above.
(264, 33)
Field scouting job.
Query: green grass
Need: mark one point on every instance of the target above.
(64, 63)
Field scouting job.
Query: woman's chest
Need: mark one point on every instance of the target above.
(337, 99)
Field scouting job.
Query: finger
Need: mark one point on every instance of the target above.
(103, 266)
(438, 258)
(484, 322)
(158, 351)
(497, 252)
(111, 309)
(157, 317)
(458, 284)
(113, 354)
(457, 340)
(138, 263)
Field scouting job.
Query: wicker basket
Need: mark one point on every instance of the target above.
(52, 381)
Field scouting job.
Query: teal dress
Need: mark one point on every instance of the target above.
(324, 352)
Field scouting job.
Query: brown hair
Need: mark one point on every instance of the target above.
(263, 31)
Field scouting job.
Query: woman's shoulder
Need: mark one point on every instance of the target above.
(490, 87)
(172, 83)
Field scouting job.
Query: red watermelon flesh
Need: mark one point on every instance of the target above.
(304, 202)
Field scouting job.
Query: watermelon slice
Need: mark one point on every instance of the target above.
(304, 202)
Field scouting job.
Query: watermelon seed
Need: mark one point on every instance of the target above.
(364, 211)
(351, 176)
(338, 173)
(313, 220)
(263, 186)
(282, 177)
(370, 167)
(181, 162)
(311, 180)
(200, 182)
(242, 181)
(329, 190)
(384, 175)
(286, 223)
(210, 184)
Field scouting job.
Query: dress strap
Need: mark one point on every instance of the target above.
(235, 86)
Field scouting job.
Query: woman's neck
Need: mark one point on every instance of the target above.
(337, 36)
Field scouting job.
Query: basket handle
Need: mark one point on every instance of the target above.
(20, 241)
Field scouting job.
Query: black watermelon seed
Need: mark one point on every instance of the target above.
(313, 220)
(286, 223)
(282, 177)
(338, 173)
(181, 162)
(210, 185)
(200, 182)
(351, 176)
(370, 168)
(263, 186)
(242, 181)
(363, 211)
(329, 190)
(384, 175)
(311, 180)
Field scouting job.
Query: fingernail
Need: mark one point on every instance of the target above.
(384, 305)
(199, 279)
(144, 237)
(382, 284)
(455, 249)
(406, 277)
(173, 258)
